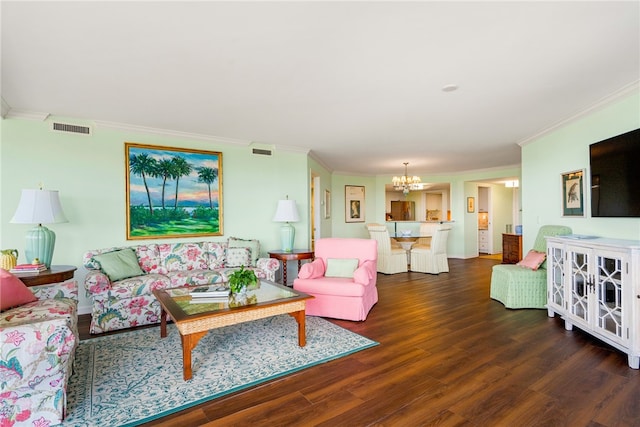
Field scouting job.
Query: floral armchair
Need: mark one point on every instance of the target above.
(38, 340)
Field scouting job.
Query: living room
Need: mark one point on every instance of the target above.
(89, 171)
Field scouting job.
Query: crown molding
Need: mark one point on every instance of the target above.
(292, 148)
(315, 157)
(194, 136)
(600, 104)
(168, 132)
(12, 113)
(4, 108)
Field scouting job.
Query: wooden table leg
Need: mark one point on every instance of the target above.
(163, 323)
(302, 331)
(188, 343)
(284, 272)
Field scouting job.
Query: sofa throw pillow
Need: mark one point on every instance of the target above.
(341, 267)
(238, 257)
(120, 264)
(254, 245)
(533, 260)
(12, 291)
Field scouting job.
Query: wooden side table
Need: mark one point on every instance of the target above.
(56, 274)
(511, 248)
(294, 255)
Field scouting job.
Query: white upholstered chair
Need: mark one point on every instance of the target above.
(391, 260)
(426, 233)
(432, 258)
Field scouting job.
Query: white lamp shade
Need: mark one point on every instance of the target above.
(39, 207)
(286, 211)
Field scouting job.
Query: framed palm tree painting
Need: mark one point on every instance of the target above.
(172, 192)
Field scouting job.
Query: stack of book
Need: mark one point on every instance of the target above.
(209, 294)
(28, 268)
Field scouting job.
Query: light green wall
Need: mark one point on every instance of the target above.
(565, 150)
(340, 227)
(89, 172)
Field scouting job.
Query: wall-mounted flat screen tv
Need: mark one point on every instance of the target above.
(615, 176)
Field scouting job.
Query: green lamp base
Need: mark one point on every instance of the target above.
(40, 244)
(287, 236)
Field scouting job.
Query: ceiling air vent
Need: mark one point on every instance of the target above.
(66, 127)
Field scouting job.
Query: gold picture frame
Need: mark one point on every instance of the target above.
(471, 204)
(172, 192)
(327, 204)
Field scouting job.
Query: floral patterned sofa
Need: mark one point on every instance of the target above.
(125, 302)
(38, 341)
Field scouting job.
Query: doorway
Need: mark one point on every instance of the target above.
(485, 221)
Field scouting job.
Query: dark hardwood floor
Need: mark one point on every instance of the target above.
(448, 355)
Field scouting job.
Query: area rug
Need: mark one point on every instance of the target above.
(135, 377)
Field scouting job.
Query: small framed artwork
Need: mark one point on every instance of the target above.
(172, 192)
(354, 203)
(573, 193)
(327, 204)
(471, 204)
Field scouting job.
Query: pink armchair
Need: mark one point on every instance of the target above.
(349, 291)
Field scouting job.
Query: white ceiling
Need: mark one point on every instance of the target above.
(357, 83)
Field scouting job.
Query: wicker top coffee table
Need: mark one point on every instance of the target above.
(194, 319)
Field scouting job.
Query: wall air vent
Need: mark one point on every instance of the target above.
(66, 127)
(258, 149)
(261, 152)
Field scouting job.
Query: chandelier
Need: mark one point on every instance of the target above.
(406, 183)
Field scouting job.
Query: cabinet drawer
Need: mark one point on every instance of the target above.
(483, 241)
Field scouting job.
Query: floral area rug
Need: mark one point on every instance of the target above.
(135, 377)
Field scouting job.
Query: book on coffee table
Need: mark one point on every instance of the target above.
(210, 300)
(210, 292)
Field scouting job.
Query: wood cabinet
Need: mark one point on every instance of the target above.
(511, 248)
(483, 241)
(594, 284)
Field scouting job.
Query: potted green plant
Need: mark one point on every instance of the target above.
(242, 279)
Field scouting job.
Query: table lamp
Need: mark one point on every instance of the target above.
(39, 207)
(287, 212)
